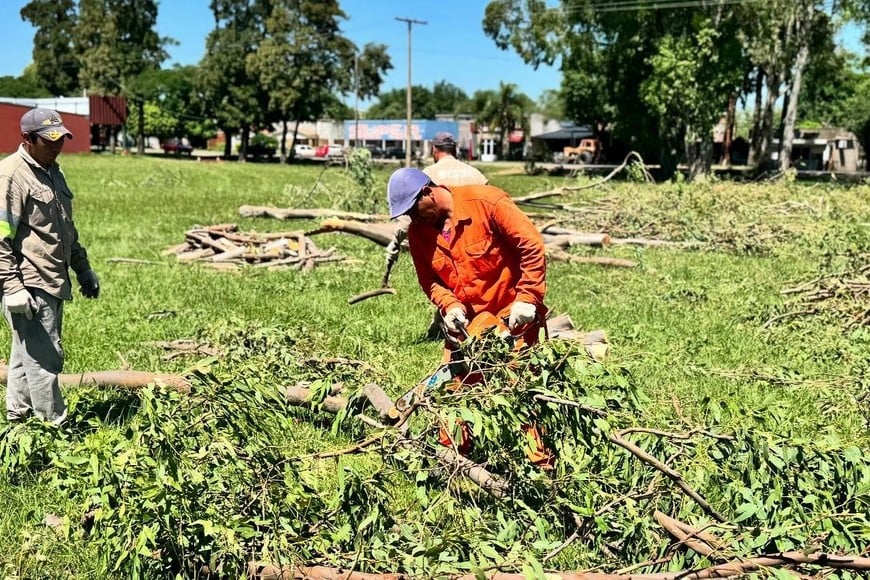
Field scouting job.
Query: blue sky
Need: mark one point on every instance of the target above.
(450, 47)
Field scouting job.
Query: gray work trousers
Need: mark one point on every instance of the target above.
(32, 386)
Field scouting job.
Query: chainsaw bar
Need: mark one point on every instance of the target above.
(445, 373)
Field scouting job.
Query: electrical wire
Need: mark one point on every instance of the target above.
(639, 5)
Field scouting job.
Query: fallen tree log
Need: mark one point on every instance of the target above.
(556, 231)
(595, 342)
(301, 396)
(264, 571)
(317, 213)
(380, 233)
(651, 243)
(567, 240)
(122, 379)
(563, 256)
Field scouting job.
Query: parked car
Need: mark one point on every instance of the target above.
(332, 150)
(375, 151)
(177, 146)
(303, 151)
(395, 153)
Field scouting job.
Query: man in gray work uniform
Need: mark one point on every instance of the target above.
(38, 245)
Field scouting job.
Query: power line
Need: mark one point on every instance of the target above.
(639, 5)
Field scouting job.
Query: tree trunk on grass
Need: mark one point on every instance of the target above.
(123, 379)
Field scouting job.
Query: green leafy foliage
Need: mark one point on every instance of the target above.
(766, 423)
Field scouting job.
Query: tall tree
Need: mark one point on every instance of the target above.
(116, 42)
(830, 82)
(692, 74)
(619, 63)
(229, 92)
(302, 58)
(782, 38)
(551, 104)
(392, 104)
(172, 109)
(272, 61)
(447, 98)
(53, 55)
(27, 85)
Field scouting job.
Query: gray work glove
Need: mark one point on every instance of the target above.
(90, 284)
(393, 249)
(395, 245)
(21, 302)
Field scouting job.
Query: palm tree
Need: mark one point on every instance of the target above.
(505, 110)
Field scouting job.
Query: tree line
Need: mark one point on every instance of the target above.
(266, 63)
(657, 77)
(662, 73)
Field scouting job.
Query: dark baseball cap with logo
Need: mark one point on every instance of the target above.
(443, 139)
(45, 123)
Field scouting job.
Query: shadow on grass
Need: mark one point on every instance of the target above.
(116, 410)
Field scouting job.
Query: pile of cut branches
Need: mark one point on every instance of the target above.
(846, 296)
(228, 476)
(225, 247)
(767, 496)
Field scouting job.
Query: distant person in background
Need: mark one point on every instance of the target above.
(38, 245)
(447, 170)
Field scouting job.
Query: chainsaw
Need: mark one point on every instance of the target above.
(445, 373)
(456, 368)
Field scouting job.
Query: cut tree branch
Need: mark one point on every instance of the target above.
(302, 214)
(645, 457)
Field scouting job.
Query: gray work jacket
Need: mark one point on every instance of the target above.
(38, 239)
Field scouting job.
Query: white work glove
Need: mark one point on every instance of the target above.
(90, 284)
(395, 245)
(393, 249)
(21, 302)
(455, 320)
(521, 313)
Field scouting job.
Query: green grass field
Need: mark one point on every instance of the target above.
(705, 335)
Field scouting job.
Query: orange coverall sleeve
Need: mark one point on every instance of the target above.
(434, 289)
(515, 226)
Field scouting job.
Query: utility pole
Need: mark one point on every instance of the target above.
(410, 21)
(356, 99)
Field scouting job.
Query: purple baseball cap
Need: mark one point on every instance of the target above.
(45, 123)
(403, 188)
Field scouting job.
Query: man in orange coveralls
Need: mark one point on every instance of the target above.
(476, 255)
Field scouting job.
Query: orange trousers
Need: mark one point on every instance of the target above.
(536, 452)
